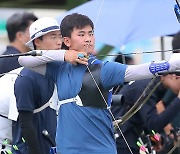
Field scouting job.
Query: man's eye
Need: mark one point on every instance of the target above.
(81, 34)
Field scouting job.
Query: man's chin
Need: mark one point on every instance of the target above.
(90, 53)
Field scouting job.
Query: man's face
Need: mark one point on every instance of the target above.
(50, 41)
(81, 40)
(25, 38)
(171, 81)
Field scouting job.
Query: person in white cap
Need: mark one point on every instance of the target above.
(84, 118)
(34, 132)
(41, 28)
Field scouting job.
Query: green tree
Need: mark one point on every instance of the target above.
(73, 3)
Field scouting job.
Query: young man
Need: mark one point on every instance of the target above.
(33, 93)
(18, 34)
(84, 120)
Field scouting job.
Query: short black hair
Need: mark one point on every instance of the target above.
(72, 21)
(18, 22)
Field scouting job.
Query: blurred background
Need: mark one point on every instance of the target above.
(40, 8)
(58, 8)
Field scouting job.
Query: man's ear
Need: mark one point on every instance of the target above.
(19, 36)
(67, 41)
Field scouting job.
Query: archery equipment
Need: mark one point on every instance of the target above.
(30, 53)
(177, 10)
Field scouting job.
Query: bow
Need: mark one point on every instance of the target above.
(142, 99)
(139, 103)
(174, 147)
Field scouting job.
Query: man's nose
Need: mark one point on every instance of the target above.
(59, 40)
(88, 38)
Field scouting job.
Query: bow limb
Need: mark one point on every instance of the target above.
(139, 103)
(174, 147)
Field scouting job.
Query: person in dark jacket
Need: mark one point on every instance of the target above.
(146, 118)
(18, 34)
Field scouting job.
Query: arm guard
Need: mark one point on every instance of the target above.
(148, 70)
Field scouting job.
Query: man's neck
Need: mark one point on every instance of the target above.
(19, 47)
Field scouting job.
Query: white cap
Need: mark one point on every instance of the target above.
(41, 27)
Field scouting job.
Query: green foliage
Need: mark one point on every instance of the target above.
(58, 4)
(104, 51)
(73, 3)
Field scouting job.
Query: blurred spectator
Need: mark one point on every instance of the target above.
(124, 59)
(169, 96)
(147, 117)
(18, 34)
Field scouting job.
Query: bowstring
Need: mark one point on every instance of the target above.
(108, 108)
(113, 117)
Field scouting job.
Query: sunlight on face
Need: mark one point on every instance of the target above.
(82, 40)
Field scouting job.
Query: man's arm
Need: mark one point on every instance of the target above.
(160, 108)
(159, 121)
(38, 63)
(29, 132)
(148, 70)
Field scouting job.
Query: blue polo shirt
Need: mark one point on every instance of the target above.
(83, 129)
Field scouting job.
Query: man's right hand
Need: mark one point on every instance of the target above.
(72, 57)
